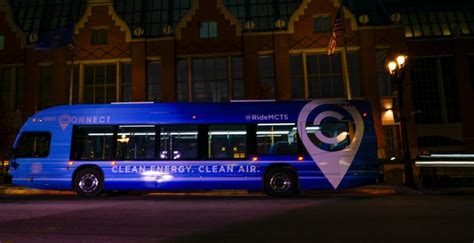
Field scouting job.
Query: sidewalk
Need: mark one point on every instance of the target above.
(18, 190)
(364, 190)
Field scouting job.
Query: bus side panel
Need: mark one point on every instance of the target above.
(182, 175)
(51, 172)
(232, 175)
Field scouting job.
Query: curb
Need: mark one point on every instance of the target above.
(13, 190)
(370, 190)
(364, 190)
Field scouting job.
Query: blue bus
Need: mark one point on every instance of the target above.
(276, 147)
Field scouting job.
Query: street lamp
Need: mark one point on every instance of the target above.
(397, 70)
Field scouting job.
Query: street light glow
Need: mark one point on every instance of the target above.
(401, 59)
(392, 65)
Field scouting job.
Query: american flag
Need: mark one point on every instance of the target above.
(338, 26)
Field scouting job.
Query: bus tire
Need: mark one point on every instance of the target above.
(88, 183)
(281, 182)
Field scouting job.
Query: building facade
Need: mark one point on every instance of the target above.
(102, 51)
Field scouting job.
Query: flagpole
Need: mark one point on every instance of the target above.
(345, 69)
(71, 75)
(71, 71)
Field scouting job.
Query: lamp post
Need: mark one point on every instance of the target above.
(397, 70)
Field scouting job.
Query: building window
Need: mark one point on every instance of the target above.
(126, 91)
(353, 69)
(99, 36)
(434, 90)
(267, 77)
(153, 87)
(100, 83)
(439, 23)
(156, 17)
(45, 87)
(450, 89)
(75, 99)
(325, 75)
(2, 42)
(208, 29)
(209, 78)
(44, 16)
(297, 77)
(471, 68)
(182, 80)
(392, 142)
(439, 143)
(6, 88)
(263, 13)
(238, 83)
(321, 24)
(385, 85)
(11, 88)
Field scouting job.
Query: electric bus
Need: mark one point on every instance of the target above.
(276, 147)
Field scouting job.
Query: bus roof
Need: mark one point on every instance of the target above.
(179, 113)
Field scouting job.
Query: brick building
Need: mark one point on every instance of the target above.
(220, 50)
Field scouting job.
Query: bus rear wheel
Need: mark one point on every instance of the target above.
(280, 182)
(88, 183)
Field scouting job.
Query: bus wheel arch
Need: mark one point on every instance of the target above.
(88, 180)
(280, 180)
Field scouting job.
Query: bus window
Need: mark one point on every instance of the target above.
(227, 142)
(33, 145)
(330, 136)
(93, 143)
(136, 142)
(277, 138)
(179, 142)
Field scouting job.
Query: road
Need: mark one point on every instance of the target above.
(254, 218)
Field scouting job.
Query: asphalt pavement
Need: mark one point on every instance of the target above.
(237, 218)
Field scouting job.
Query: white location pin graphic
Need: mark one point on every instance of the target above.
(333, 164)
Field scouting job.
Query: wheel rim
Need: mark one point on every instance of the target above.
(88, 183)
(280, 182)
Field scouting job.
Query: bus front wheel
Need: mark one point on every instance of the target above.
(280, 182)
(88, 182)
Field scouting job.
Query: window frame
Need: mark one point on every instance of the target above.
(202, 143)
(318, 21)
(299, 145)
(78, 94)
(74, 148)
(2, 42)
(184, 77)
(156, 147)
(247, 148)
(205, 28)
(198, 141)
(99, 36)
(307, 74)
(47, 133)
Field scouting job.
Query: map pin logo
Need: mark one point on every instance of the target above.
(64, 121)
(333, 160)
